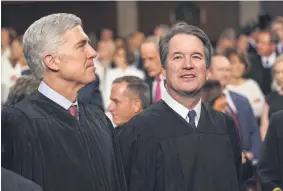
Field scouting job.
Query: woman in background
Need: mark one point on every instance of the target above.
(274, 100)
(245, 87)
(123, 60)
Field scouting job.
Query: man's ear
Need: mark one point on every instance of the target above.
(164, 73)
(51, 62)
(137, 106)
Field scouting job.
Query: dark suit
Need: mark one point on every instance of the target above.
(149, 81)
(11, 181)
(270, 166)
(90, 94)
(249, 129)
(260, 74)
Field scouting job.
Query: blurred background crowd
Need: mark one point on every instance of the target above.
(248, 61)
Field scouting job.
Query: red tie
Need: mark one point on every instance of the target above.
(73, 111)
(157, 96)
(230, 112)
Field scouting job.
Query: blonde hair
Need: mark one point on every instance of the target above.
(275, 86)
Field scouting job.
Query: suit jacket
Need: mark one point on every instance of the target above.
(13, 182)
(249, 128)
(149, 80)
(260, 74)
(270, 166)
(90, 94)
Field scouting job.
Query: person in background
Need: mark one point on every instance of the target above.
(120, 42)
(261, 63)
(24, 86)
(270, 166)
(136, 40)
(103, 63)
(274, 100)
(17, 55)
(277, 27)
(213, 96)
(153, 66)
(245, 87)
(51, 138)
(5, 43)
(160, 30)
(123, 60)
(238, 108)
(226, 40)
(129, 96)
(11, 68)
(90, 94)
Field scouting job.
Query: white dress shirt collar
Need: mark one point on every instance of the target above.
(271, 59)
(229, 100)
(54, 96)
(180, 109)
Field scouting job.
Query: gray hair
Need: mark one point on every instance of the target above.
(44, 36)
(24, 86)
(275, 86)
(154, 40)
(137, 86)
(184, 28)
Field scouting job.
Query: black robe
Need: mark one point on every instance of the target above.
(45, 144)
(270, 165)
(162, 152)
(11, 181)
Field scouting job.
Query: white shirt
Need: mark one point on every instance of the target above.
(54, 96)
(9, 75)
(162, 87)
(182, 110)
(229, 100)
(251, 90)
(101, 70)
(271, 59)
(114, 73)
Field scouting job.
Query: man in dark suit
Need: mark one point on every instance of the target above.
(90, 94)
(261, 63)
(152, 64)
(238, 107)
(178, 143)
(11, 181)
(270, 166)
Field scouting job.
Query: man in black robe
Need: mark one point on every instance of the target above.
(270, 165)
(178, 144)
(51, 138)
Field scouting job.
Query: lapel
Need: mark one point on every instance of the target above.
(149, 81)
(207, 123)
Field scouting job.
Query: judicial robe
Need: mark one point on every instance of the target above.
(161, 151)
(45, 144)
(270, 165)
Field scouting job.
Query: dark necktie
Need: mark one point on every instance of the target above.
(192, 116)
(230, 112)
(73, 110)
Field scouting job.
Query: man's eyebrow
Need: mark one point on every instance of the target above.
(195, 52)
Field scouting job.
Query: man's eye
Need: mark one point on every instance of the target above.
(197, 57)
(177, 57)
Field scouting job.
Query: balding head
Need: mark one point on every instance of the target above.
(220, 70)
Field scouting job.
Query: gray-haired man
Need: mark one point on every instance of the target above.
(51, 138)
